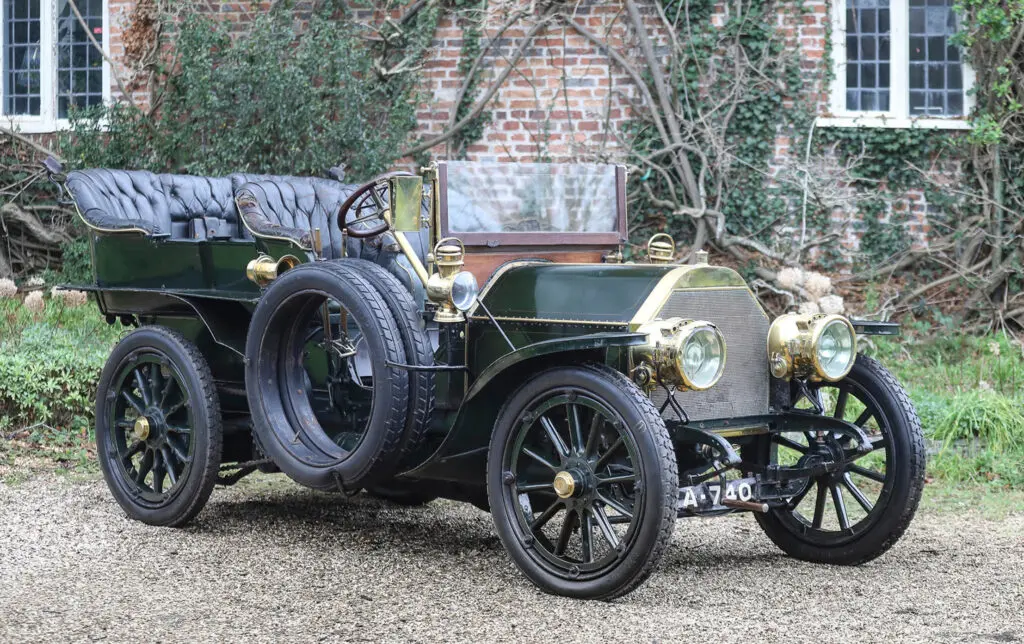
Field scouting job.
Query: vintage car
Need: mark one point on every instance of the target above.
(336, 333)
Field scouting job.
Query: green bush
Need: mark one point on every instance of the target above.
(284, 99)
(49, 365)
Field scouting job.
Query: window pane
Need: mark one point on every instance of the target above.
(21, 54)
(79, 65)
(867, 45)
(936, 75)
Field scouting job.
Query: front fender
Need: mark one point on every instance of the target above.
(463, 453)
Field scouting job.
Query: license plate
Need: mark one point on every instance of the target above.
(708, 497)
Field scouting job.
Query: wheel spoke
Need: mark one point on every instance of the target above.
(540, 459)
(556, 440)
(619, 442)
(819, 506)
(841, 403)
(175, 429)
(176, 406)
(168, 467)
(534, 487)
(134, 402)
(840, 505)
(563, 536)
(135, 448)
(619, 478)
(595, 431)
(575, 430)
(144, 468)
(181, 455)
(855, 491)
(790, 443)
(615, 505)
(140, 384)
(587, 536)
(867, 473)
(166, 391)
(864, 417)
(545, 516)
(606, 528)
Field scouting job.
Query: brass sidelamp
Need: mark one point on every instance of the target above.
(451, 288)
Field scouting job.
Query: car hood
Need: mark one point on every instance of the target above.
(612, 294)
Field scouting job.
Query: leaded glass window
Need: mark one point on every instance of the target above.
(867, 55)
(79, 65)
(936, 81)
(21, 57)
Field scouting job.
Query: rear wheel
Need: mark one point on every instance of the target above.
(858, 512)
(158, 427)
(328, 406)
(582, 482)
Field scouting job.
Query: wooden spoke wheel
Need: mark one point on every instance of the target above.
(858, 511)
(582, 482)
(158, 427)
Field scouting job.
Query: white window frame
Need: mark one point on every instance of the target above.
(47, 120)
(898, 115)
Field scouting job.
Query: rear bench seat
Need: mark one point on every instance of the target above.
(182, 207)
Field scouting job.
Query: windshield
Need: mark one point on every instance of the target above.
(532, 198)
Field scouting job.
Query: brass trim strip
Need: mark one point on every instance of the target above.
(549, 320)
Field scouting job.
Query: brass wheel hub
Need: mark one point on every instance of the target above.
(564, 484)
(141, 428)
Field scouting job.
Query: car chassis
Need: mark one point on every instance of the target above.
(336, 333)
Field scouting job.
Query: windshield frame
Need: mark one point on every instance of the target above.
(517, 238)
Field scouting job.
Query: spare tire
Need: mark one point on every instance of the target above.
(326, 406)
(418, 351)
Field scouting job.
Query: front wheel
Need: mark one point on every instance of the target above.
(858, 512)
(582, 482)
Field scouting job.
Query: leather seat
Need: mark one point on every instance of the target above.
(121, 200)
(190, 207)
(292, 207)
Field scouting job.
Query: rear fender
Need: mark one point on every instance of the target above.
(462, 455)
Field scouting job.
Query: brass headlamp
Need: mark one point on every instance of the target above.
(661, 249)
(818, 347)
(451, 288)
(686, 354)
(265, 269)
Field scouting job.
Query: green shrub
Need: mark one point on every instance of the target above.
(49, 365)
(284, 99)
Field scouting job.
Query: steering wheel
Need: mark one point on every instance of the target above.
(373, 197)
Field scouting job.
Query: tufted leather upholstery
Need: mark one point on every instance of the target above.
(200, 207)
(121, 200)
(189, 207)
(292, 207)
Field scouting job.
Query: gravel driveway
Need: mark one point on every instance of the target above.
(270, 561)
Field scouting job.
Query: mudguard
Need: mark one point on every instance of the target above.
(463, 453)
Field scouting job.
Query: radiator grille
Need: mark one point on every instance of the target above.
(743, 389)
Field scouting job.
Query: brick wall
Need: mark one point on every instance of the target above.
(565, 100)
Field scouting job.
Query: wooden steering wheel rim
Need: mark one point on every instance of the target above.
(359, 192)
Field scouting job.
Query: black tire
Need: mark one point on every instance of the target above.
(899, 440)
(404, 493)
(156, 374)
(417, 350)
(644, 494)
(288, 429)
